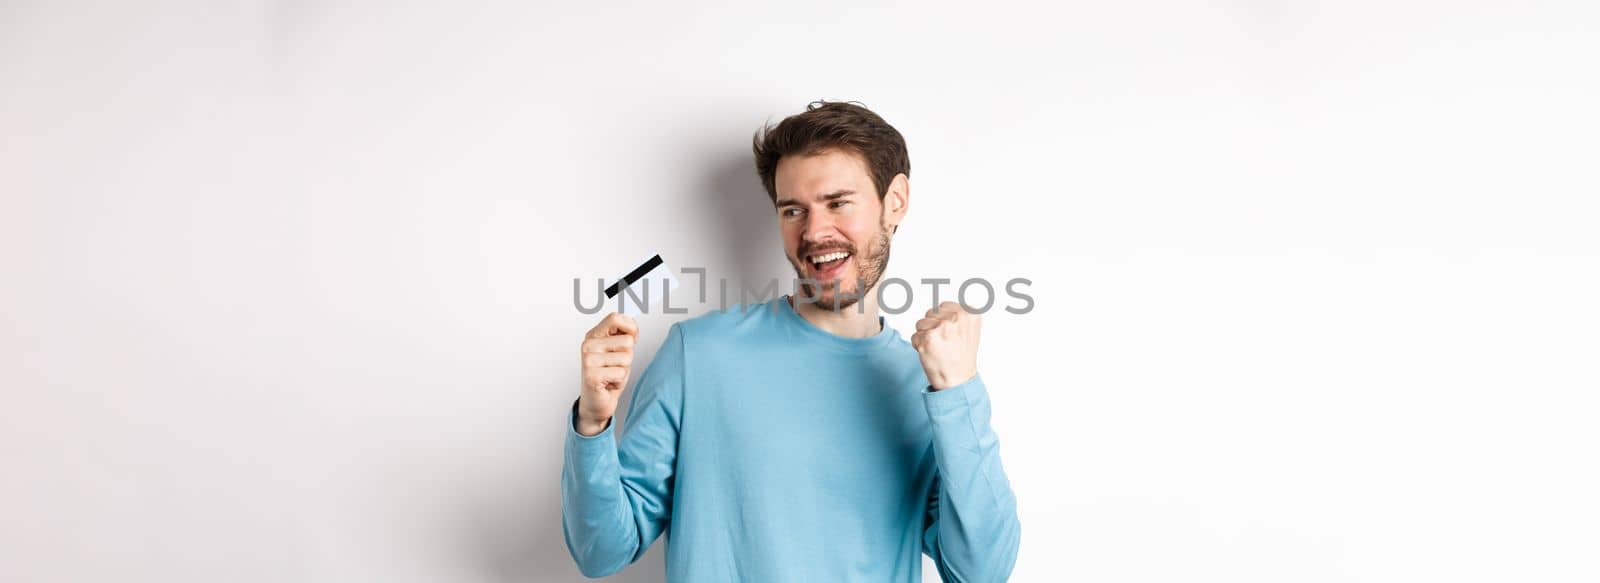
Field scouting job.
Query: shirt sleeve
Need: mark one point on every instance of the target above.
(616, 497)
(971, 529)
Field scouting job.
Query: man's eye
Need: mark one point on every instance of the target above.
(791, 212)
(838, 203)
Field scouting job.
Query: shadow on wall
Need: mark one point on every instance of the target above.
(514, 533)
(749, 240)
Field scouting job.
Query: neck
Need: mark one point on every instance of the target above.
(858, 321)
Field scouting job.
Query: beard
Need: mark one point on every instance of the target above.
(870, 266)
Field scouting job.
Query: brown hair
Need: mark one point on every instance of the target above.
(828, 125)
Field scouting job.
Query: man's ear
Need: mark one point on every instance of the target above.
(897, 200)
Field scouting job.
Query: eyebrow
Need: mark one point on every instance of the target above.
(830, 196)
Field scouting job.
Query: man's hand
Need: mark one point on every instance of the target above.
(607, 354)
(947, 341)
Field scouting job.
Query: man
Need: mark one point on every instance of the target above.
(802, 439)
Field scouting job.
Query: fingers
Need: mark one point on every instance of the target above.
(607, 352)
(946, 311)
(605, 377)
(951, 312)
(613, 324)
(607, 359)
(618, 343)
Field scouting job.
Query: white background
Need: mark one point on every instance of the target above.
(285, 287)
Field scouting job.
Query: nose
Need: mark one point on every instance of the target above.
(819, 228)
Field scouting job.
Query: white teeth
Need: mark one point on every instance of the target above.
(829, 257)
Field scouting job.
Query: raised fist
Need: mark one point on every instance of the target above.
(947, 342)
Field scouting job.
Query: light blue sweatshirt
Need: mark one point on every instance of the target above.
(770, 450)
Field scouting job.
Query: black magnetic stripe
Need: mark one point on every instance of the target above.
(634, 275)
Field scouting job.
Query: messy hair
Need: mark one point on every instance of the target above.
(824, 126)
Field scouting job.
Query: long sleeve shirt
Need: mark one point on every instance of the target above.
(770, 450)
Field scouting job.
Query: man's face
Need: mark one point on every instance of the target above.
(835, 229)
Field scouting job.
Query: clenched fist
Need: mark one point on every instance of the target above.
(607, 353)
(947, 342)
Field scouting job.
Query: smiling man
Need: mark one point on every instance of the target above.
(802, 439)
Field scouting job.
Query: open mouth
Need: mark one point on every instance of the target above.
(827, 265)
